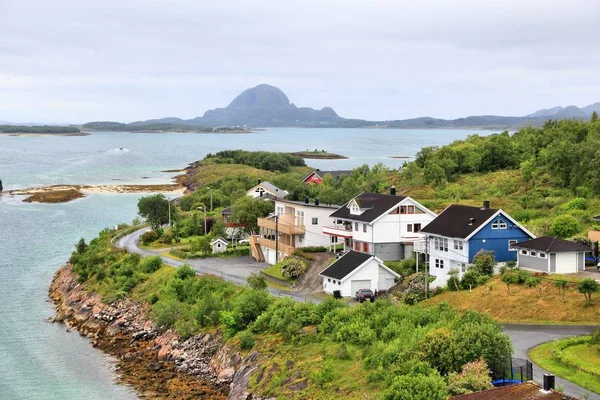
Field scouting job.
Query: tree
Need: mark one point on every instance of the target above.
(594, 117)
(292, 268)
(155, 209)
(81, 246)
(453, 279)
(257, 281)
(475, 376)
(471, 279)
(561, 284)
(485, 262)
(534, 282)
(587, 287)
(509, 278)
(247, 211)
(202, 244)
(564, 226)
(218, 228)
(434, 174)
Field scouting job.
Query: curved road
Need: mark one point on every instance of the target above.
(523, 337)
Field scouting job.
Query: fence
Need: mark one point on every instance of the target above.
(511, 371)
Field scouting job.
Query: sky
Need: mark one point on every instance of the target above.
(74, 61)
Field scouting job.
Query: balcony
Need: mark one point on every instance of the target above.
(287, 224)
(339, 230)
(284, 248)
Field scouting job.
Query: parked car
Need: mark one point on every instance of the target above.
(364, 294)
(243, 242)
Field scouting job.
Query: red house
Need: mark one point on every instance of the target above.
(316, 177)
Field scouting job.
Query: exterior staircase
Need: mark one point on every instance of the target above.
(255, 249)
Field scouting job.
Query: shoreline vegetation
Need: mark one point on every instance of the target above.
(318, 155)
(33, 131)
(66, 193)
(109, 126)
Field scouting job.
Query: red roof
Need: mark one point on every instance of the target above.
(521, 391)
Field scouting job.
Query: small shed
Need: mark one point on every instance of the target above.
(355, 271)
(551, 255)
(219, 245)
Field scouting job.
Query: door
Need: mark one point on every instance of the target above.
(359, 284)
(566, 263)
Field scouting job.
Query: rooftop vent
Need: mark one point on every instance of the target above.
(316, 202)
(471, 220)
(259, 181)
(486, 204)
(306, 200)
(393, 190)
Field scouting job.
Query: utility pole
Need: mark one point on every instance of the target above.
(169, 201)
(426, 265)
(211, 208)
(276, 239)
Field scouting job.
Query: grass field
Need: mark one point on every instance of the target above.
(585, 357)
(275, 271)
(523, 305)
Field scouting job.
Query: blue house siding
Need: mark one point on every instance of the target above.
(497, 240)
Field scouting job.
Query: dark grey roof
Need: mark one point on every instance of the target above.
(226, 211)
(346, 264)
(272, 188)
(552, 245)
(459, 221)
(334, 174)
(309, 204)
(375, 203)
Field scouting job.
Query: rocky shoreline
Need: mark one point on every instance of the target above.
(157, 364)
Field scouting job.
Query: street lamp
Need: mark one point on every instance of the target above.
(203, 209)
(211, 202)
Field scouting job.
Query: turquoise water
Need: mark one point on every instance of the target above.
(39, 360)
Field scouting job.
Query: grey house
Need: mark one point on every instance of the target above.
(551, 255)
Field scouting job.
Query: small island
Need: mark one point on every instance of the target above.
(22, 130)
(318, 155)
(139, 127)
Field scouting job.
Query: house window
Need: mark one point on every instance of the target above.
(463, 267)
(524, 252)
(227, 219)
(402, 209)
(441, 244)
(365, 248)
(511, 244)
(334, 239)
(458, 245)
(329, 280)
(542, 255)
(395, 211)
(498, 224)
(439, 263)
(417, 228)
(410, 209)
(279, 210)
(365, 228)
(357, 246)
(532, 253)
(356, 226)
(300, 239)
(315, 221)
(419, 211)
(409, 228)
(354, 208)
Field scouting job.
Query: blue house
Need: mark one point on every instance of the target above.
(456, 235)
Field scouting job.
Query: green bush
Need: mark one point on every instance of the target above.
(485, 262)
(578, 203)
(257, 281)
(314, 249)
(292, 268)
(470, 279)
(403, 268)
(247, 340)
(323, 376)
(149, 237)
(565, 226)
(151, 264)
(417, 387)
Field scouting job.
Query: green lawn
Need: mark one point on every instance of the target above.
(584, 359)
(275, 271)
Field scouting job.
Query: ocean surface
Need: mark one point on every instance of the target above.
(39, 360)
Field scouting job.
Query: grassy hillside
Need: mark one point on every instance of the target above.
(523, 305)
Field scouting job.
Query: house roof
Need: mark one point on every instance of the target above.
(322, 174)
(302, 203)
(271, 188)
(226, 210)
(552, 245)
(376, 204)
(596, 218)
(219, 239)
(521, 391)
(459, 221)
(346, 264)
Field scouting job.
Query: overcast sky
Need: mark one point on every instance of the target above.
(81, 60)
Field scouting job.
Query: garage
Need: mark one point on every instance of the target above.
(566, 263)
(550, 254)
(356, 285)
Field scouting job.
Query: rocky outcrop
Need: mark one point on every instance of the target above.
(158, 364)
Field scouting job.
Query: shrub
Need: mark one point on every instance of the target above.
(292, 268)
(470, 279)
(475, 376)
(595, 339)
(510, 278)
(417, 387)
(247, 340)
(453, 281)
(587, 287)
(564, 226)
(323, 375)
(185, 272)
(578, 203)
(314, 249)
(151, 264)
(403, 268)
(561, 285)
(149, 237)
(485, 262)
(166, 311)
(257, 281)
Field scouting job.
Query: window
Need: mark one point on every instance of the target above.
(365, 228)
(458, 245)
(227, 218)
(402, 209)
(410, 209)
(441, 244)
(365, 248)
(419, 211)
(279, 210)
(498, 224)
(357, 246)
(315, 221)
(299, 217)
(439, 263)
(532, 253)
(409, 227)
(356, 226)
(328, 279)
(416, 228)
(395, 211)
(524, 252)
(511, 244)
(542, 255)
(463, 267)
(301, 239)
(354, 208)
(334, 239)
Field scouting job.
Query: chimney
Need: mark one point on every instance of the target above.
(486, 204)
(393, 190)
(306, 200)
(316, 202)
(549, 382)
(259, 181)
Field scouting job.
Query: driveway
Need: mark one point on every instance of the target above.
(524, 337)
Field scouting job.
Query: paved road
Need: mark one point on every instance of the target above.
(524, 337)
(236, 270)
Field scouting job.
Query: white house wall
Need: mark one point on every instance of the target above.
(381, 279)
(452, 260)
(314, 235)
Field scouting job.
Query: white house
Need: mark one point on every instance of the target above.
(551, 255)
(460, 232)
(266, 190)
(355, 271)
(386, 226)
(297, 224)
(219, 245)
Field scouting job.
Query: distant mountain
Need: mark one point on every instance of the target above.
(267, 106)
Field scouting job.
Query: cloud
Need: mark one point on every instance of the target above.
(376, 59)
